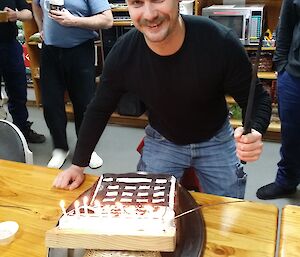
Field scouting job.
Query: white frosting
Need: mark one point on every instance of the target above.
(110, 216)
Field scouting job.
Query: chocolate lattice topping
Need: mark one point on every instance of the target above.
(135, 189)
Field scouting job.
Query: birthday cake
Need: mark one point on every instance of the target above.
(125, 203)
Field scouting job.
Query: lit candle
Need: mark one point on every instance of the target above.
(76, 205)
(149, 210)
(120, 207)
(97, 206)
(85, 206)
(62, 206)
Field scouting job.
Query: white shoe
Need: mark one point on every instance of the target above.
(59, 157)
(95, 161)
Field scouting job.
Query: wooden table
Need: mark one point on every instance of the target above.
(242, 229)
(34, 205)
(289, 245)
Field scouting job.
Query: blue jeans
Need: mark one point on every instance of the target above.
(217, 167)
(288, 93)
(13, 71)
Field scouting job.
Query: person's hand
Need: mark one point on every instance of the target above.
(63, 17)
(70, 178)
(248, 147)
(11, 14)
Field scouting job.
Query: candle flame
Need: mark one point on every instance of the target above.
(85, 200)
(62, 203)
(76, 204)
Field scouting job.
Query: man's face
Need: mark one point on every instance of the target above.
(156, 19)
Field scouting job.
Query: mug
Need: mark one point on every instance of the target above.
(3, 16)
(56, 5)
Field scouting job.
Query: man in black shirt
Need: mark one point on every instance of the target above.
(181, 67)
(12, 68)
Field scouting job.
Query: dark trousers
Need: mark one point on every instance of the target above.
(13, 72)
(288, 88)
(71, 70)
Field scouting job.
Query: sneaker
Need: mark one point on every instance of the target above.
(58, 158)
(32, 136)
(273, 191)
(3, 113)
(95, 161)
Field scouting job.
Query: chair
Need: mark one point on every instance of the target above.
(13, 145)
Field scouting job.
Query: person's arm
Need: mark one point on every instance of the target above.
(38, 15)
(102, 20)
(237, 80)
(14, 15)
(287, 22)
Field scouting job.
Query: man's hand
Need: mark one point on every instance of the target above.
(248, 147)
(12, 14)
(64, 17)
(70, 178)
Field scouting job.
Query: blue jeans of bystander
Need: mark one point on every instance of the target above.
(12, 69)
(288, 93)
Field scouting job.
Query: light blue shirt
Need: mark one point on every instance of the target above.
(67, 37)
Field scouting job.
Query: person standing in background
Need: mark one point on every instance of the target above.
(287, 61)
(12, 67)
(67, 64)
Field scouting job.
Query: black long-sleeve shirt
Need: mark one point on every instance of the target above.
(9, 30)
(184, 92)
(287, 54)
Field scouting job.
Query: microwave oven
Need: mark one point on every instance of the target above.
(245, 20)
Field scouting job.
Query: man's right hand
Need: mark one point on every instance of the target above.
(70, 178)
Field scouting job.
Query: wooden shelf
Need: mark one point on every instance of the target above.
(230, 100)
(272, 134)
(33, 43)
(267, 75)
(122, 23)
(254, 48)
(120, 9)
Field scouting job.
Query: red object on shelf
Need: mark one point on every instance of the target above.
(26, 56)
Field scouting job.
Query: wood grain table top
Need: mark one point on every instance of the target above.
(289, 245)
(241, 229)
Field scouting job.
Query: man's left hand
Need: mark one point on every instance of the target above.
(248, 147)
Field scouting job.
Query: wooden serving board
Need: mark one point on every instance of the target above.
(139, 241)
